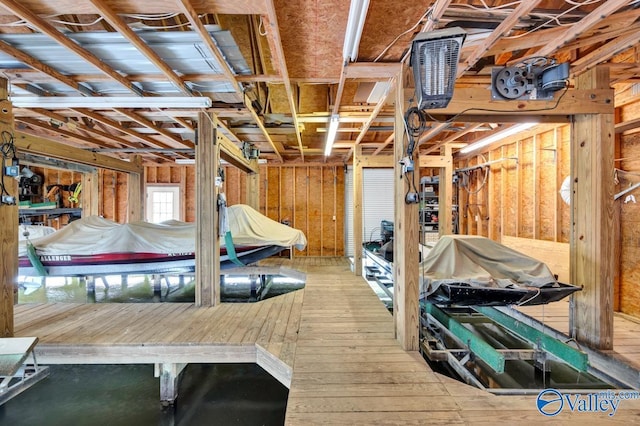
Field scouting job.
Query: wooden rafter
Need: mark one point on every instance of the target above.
(150, 125)
(94, 131)
(604, 52)
(523, 8)
(121, 26)
(586, 23)
(271, 21)
(433, 132)
(452, 138)
(44, 68)
(51, 31)
(115, 125)
(192, 15)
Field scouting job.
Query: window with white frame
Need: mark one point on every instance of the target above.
(163, 203)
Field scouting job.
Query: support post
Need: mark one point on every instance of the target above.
(90, 194)
(357, 210)
(169, 374)
(253, 189)
(9, 227)
(445, 209)
(591, 243)
(207, 240)
(405, 243)
(135, 202)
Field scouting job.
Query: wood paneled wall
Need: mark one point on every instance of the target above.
(309, 198)
(521, 198)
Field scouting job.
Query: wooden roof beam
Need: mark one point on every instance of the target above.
(46, 69)
(46, 28)
(115, 125)
(271, 21)
(452, 138)
(121, 26)
(150, 125)
(505, 26)
(592, 19)
(188, 10)
(93, 130)
(433, 132)
(604, 52)
(38, 145)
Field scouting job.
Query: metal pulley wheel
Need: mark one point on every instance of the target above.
(511, 82)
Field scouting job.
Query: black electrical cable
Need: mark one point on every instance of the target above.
(8, 151)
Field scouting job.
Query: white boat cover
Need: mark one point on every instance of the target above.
(96, 235)
(480, 262)
(31, 232)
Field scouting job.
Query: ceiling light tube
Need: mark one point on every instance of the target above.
(105, 102)
(331, 134)
(357, 15)
(496, 137)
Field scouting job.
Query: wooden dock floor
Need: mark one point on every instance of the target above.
(331, 343)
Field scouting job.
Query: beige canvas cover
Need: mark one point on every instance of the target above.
(95, 235)
(480, 262)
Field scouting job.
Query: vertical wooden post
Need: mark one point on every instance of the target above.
(405, 242)
(135, 193)
(9, 225)
(90, 194)
(591, 244)
(357, 211)
(253, 190)
(445, 193)
(616, 232)
(207, 240)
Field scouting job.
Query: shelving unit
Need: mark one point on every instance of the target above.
(429, 210)
(429, 225)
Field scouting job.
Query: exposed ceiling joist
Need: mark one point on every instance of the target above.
(505, 26)
(121, 26)
(192, 15)
(45, 27)
(150, 125)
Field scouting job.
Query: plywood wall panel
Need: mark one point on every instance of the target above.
(527, 185)
(547, 185)
(629, 279)
(301, 195)
(273, 193)
(314, 209)
(286, 196)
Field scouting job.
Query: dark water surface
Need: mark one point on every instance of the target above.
(209, 394)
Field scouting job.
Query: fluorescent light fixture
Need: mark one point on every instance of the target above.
(496, 137)
(434, 59)
(185, 161)
(331, 133)
(103, 102)
(357, 15)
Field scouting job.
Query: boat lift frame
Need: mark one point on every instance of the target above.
(14, 354)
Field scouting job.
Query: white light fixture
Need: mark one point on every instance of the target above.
(357, 15)
(110, 102)
(185, 161)
(496, 137)
(434, 59)
(331, 134)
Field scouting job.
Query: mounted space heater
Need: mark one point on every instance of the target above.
(434, 59)
(537, 79)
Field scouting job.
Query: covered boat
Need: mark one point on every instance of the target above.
(473, 270)
(97, 246)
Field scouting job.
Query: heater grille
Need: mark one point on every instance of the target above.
(434, 59)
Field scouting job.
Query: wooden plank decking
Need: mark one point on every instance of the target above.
(335, 338)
